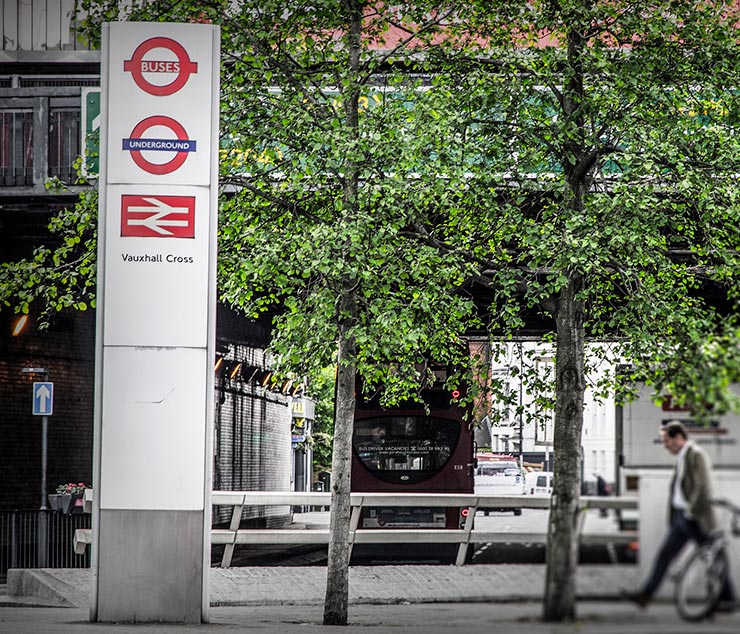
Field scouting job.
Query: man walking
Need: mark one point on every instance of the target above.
(691, 515)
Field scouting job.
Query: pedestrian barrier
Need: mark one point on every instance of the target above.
(464, 536)
(39, 538)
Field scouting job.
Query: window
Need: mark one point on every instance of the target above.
(504, 412)
(495, 469)
(545, 421)
(64, 142)
(410, 447)
(16, 148)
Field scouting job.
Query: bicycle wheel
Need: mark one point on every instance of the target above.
(699, 584)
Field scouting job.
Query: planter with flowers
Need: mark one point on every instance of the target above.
(68, 497)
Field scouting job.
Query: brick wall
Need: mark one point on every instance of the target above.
(252, 441)
(67, 351)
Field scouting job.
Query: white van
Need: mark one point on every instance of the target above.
(499, 477)
(538, 483)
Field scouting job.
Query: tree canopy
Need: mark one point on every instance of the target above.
(601, 138)
(603, 146)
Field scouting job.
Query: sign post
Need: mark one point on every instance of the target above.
(42, 405)
(156, 322)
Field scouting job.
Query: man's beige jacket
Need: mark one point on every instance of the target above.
(696, 485)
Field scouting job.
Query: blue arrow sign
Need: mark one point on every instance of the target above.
(43, 398)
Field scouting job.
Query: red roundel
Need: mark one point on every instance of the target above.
(137, 66)
(138, 133)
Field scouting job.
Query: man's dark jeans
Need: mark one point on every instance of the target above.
(681, 531)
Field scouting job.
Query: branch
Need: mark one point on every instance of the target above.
(402, 44)
(279, 202)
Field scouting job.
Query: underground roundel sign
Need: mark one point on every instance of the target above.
(160, 66)
(156, 136)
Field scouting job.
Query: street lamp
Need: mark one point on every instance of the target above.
(20, 325)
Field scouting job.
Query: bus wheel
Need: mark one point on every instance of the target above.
(517, 511)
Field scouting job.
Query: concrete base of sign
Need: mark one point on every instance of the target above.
(150, 567)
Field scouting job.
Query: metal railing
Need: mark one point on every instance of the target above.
(40, 539)
(464, 536)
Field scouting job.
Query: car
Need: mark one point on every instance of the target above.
(538, 483)
(498, 477)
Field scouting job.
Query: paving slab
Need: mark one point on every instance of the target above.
(306, 585)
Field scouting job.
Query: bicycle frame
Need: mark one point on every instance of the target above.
(710, 567)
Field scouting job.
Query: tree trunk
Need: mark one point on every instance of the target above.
(562, 536)
(337, 581)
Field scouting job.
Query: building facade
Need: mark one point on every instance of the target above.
(523, 425)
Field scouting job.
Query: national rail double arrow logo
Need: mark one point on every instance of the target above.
(157, 216)
(180, 145)
(182, 67)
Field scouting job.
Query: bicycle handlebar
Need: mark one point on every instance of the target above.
(735, 510)
(726, 503)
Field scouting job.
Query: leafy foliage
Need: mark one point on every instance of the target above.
(320, 198)
(605, 150)
(60, 275)
(322, 392)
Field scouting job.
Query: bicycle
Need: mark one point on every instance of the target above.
(700, 580)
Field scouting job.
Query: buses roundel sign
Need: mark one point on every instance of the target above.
(141, 67)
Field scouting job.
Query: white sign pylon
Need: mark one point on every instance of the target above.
(156, 322)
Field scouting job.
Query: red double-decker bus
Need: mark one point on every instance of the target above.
(409, 448)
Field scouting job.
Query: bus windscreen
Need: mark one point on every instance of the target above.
(405, 449)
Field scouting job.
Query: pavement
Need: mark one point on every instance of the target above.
(501, 598)
(407, 618)
(375, 585)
